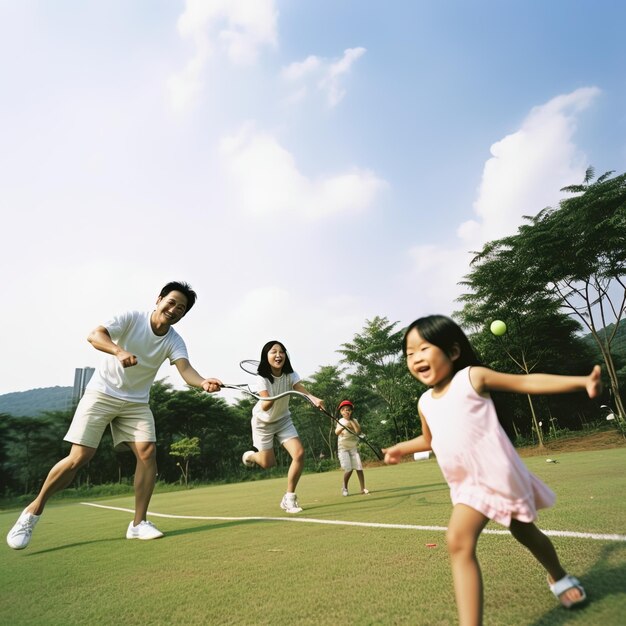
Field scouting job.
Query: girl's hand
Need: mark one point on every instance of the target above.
(594, 383)
(392, 455)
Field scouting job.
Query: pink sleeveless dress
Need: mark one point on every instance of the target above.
(477, 458)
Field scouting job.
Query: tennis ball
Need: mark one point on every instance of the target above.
(498, 328)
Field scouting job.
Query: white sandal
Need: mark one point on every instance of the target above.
(559, 587)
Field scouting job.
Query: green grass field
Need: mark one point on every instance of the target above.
(79, 568)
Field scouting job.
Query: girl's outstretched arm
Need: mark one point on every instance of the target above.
(484, 379)
(419, 444)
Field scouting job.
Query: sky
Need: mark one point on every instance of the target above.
(306, 165)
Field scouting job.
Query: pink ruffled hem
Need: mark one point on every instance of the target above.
(502, 510)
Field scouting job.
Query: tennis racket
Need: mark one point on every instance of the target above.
(251, 367)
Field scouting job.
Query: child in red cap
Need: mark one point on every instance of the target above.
(347, 432)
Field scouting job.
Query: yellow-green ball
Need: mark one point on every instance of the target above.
(498, 328)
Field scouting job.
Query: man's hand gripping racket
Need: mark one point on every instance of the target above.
(251, 367)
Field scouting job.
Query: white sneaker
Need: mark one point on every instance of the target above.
(365, 492)
(144, 530)
(290, 504)
(19, 536)
(344, 492)
(245, 456)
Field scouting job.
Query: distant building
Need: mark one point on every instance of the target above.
(82, 375)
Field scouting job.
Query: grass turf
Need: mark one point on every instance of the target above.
(79, 569)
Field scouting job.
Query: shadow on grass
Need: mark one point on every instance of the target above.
(600, 582)
(168, 535)
(378, 495)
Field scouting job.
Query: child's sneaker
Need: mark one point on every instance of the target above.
(290, 504)
(245, 458)
(344, 492)
(365, 492)
(144, 530)
(19, 536)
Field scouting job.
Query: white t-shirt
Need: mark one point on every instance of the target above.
(345, 439)
(132, 332)
(280, 408)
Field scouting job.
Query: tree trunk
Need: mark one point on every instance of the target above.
(535, 422)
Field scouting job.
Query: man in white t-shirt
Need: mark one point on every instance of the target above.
(136, 344)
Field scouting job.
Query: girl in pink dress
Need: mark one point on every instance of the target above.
(487, 478)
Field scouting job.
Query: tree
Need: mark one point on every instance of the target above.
(186, 449)
(222, 430)
(379, 375)
(327, 383)
(577, 252)
(539, 336)
(33, 445)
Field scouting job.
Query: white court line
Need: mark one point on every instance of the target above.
(312, 520)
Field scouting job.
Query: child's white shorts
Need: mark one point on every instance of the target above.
(349, 459)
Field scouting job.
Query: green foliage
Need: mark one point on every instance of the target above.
(380, 382)
(564, 269)
(577, 254)
(186, 448)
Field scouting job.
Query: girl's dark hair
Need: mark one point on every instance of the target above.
(184, 288)
(264, 367)
(444, 333)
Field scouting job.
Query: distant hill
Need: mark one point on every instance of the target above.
(35, 402)
(618, 345)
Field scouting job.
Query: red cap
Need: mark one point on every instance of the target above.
(345, 403)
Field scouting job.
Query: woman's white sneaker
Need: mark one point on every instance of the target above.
(290, 504)
(143, 530)
(19, 536)
(245, 458)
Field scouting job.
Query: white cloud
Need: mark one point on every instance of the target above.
(524, 175)
(326, 74)
(267, 180)
(530, 166)
(298, 70)
(236, 29)
(437, 270)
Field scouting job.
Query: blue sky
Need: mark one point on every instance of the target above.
(305, 165)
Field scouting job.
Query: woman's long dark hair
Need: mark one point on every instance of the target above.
(444, 333)
(265, 369)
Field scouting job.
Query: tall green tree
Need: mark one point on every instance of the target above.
(539, 337)
(377, 370)
(577, 252)
(327, 383)
(569, 260)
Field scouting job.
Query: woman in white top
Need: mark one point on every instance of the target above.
(272, 419)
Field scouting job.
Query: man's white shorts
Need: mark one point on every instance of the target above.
(263, 433)
(129, 421)
(349, 459)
